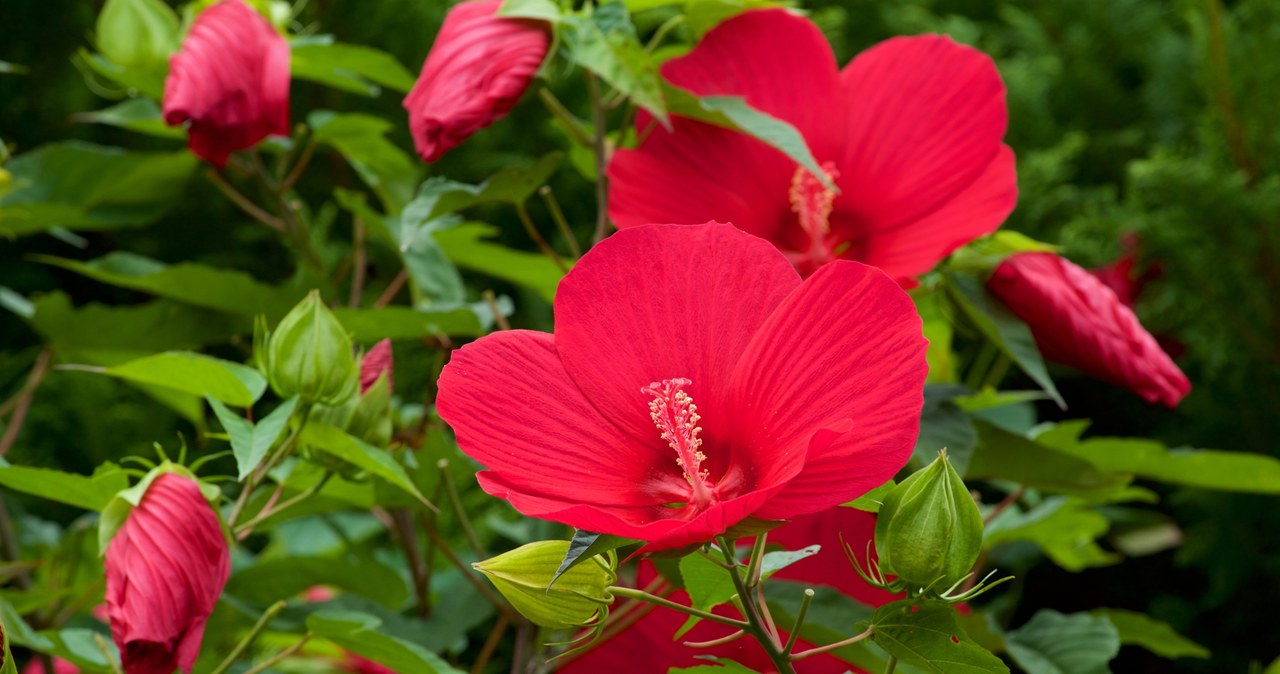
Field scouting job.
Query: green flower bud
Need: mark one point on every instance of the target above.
(524, 576)
(138, 33)
(929, 531)
(309, 355)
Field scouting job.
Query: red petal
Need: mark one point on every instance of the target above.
(830, 567)
(1079, 321)
(475, 73)
(663, 302)
(700, 173)
(914, 247)
(375, 362)
(515, 410)
(924, 121)
(780, 62)
(845, 345)
(230, 80)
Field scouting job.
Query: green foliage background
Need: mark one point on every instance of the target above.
(1158, 118)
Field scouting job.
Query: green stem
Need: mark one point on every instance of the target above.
(893, 664)
(599, 145)
(534, 234)
(795, 629)
(577, 131)
(755, 622)
(451, 490)
(632, 593)
(561, 223)
(831, 647)
(267, 616)
(270, 662)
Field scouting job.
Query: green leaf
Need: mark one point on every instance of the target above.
(944, 424)
(703, 15)
(606, 44)
(140, 115)
(937, 329)
(395, 322)
(1065, 528)
(708, 583)
(155, 326)
(1054, 643)
(722, 666)
(732, 112)
(584, 545)
(1008, 456)
(197, 374)
(361, 140)
(773, 562)
(1137, 629)
(872, 500)
(464, 244)
(360, 634)
(78, 646)
(545, 10)
(1002, 329)
(138, 34)
(82, 186)
(375, 461)
(269, 579)
(830, 619)
(1202, 468)
(926, 634)
(7, 665)
(440, 196)
(198, 285)
(349, 67)
(250, 442)
(91, 492)
(984, 254)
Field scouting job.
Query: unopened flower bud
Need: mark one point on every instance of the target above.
(929, 531)
(524, 576)
(309, 355)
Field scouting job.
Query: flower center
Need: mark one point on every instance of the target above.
(676, 416)
(812, 202)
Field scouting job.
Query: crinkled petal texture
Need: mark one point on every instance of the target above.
(165, 568)
(806, 395)
(1078, 321)
(374, 363)
(911, 130)
(230, 82)
(475, 73)
(646, 647)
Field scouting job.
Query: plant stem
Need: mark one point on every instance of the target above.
(451, 491)
(267, 616)
(492, 302)
(633, 593)
(246, 528)
(490, 644)
(600, 146)
(756, 624)
(243, 202)
(831, 647)
(256, 476)
(359, 263)
(533, 233)
(271, 661)
(392, 288)
(562, 224)
(102, 646)
(472, 577)
(22, 401)
(417, 568)
(893, 664)
(576, 130)
(795, 628)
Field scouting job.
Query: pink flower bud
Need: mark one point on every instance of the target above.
(230, 80)
(477, 69)
(60, 666)
(165, 569)
(1078, 321)
(375, 362)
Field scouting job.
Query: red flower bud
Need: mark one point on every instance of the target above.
(477, 69)
(1080, 322)
(60, 666)
(374, 363)
(230, 80)
(165, 569)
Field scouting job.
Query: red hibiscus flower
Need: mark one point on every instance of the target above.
(230, 81)
(1119, 276)
(910, 131)
(693, 381)
(374, 363)
(477, 69)
(165, 569)
(1078, 321)
(60, 666)
(646, 647)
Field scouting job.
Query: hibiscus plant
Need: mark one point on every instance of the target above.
(715, 354)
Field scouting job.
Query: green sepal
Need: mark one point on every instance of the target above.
(576, 598)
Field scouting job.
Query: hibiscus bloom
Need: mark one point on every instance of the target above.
(166, 567)
(475, 73)
(60, 666)
(1078, 321)
(230, 80)
(646, 646)
(910, 131)
(693, 381)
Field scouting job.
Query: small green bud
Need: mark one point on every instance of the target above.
(309, 355)
(929, 531)
(524, 577)
(138, 33)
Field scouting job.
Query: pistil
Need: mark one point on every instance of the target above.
(676, 416)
